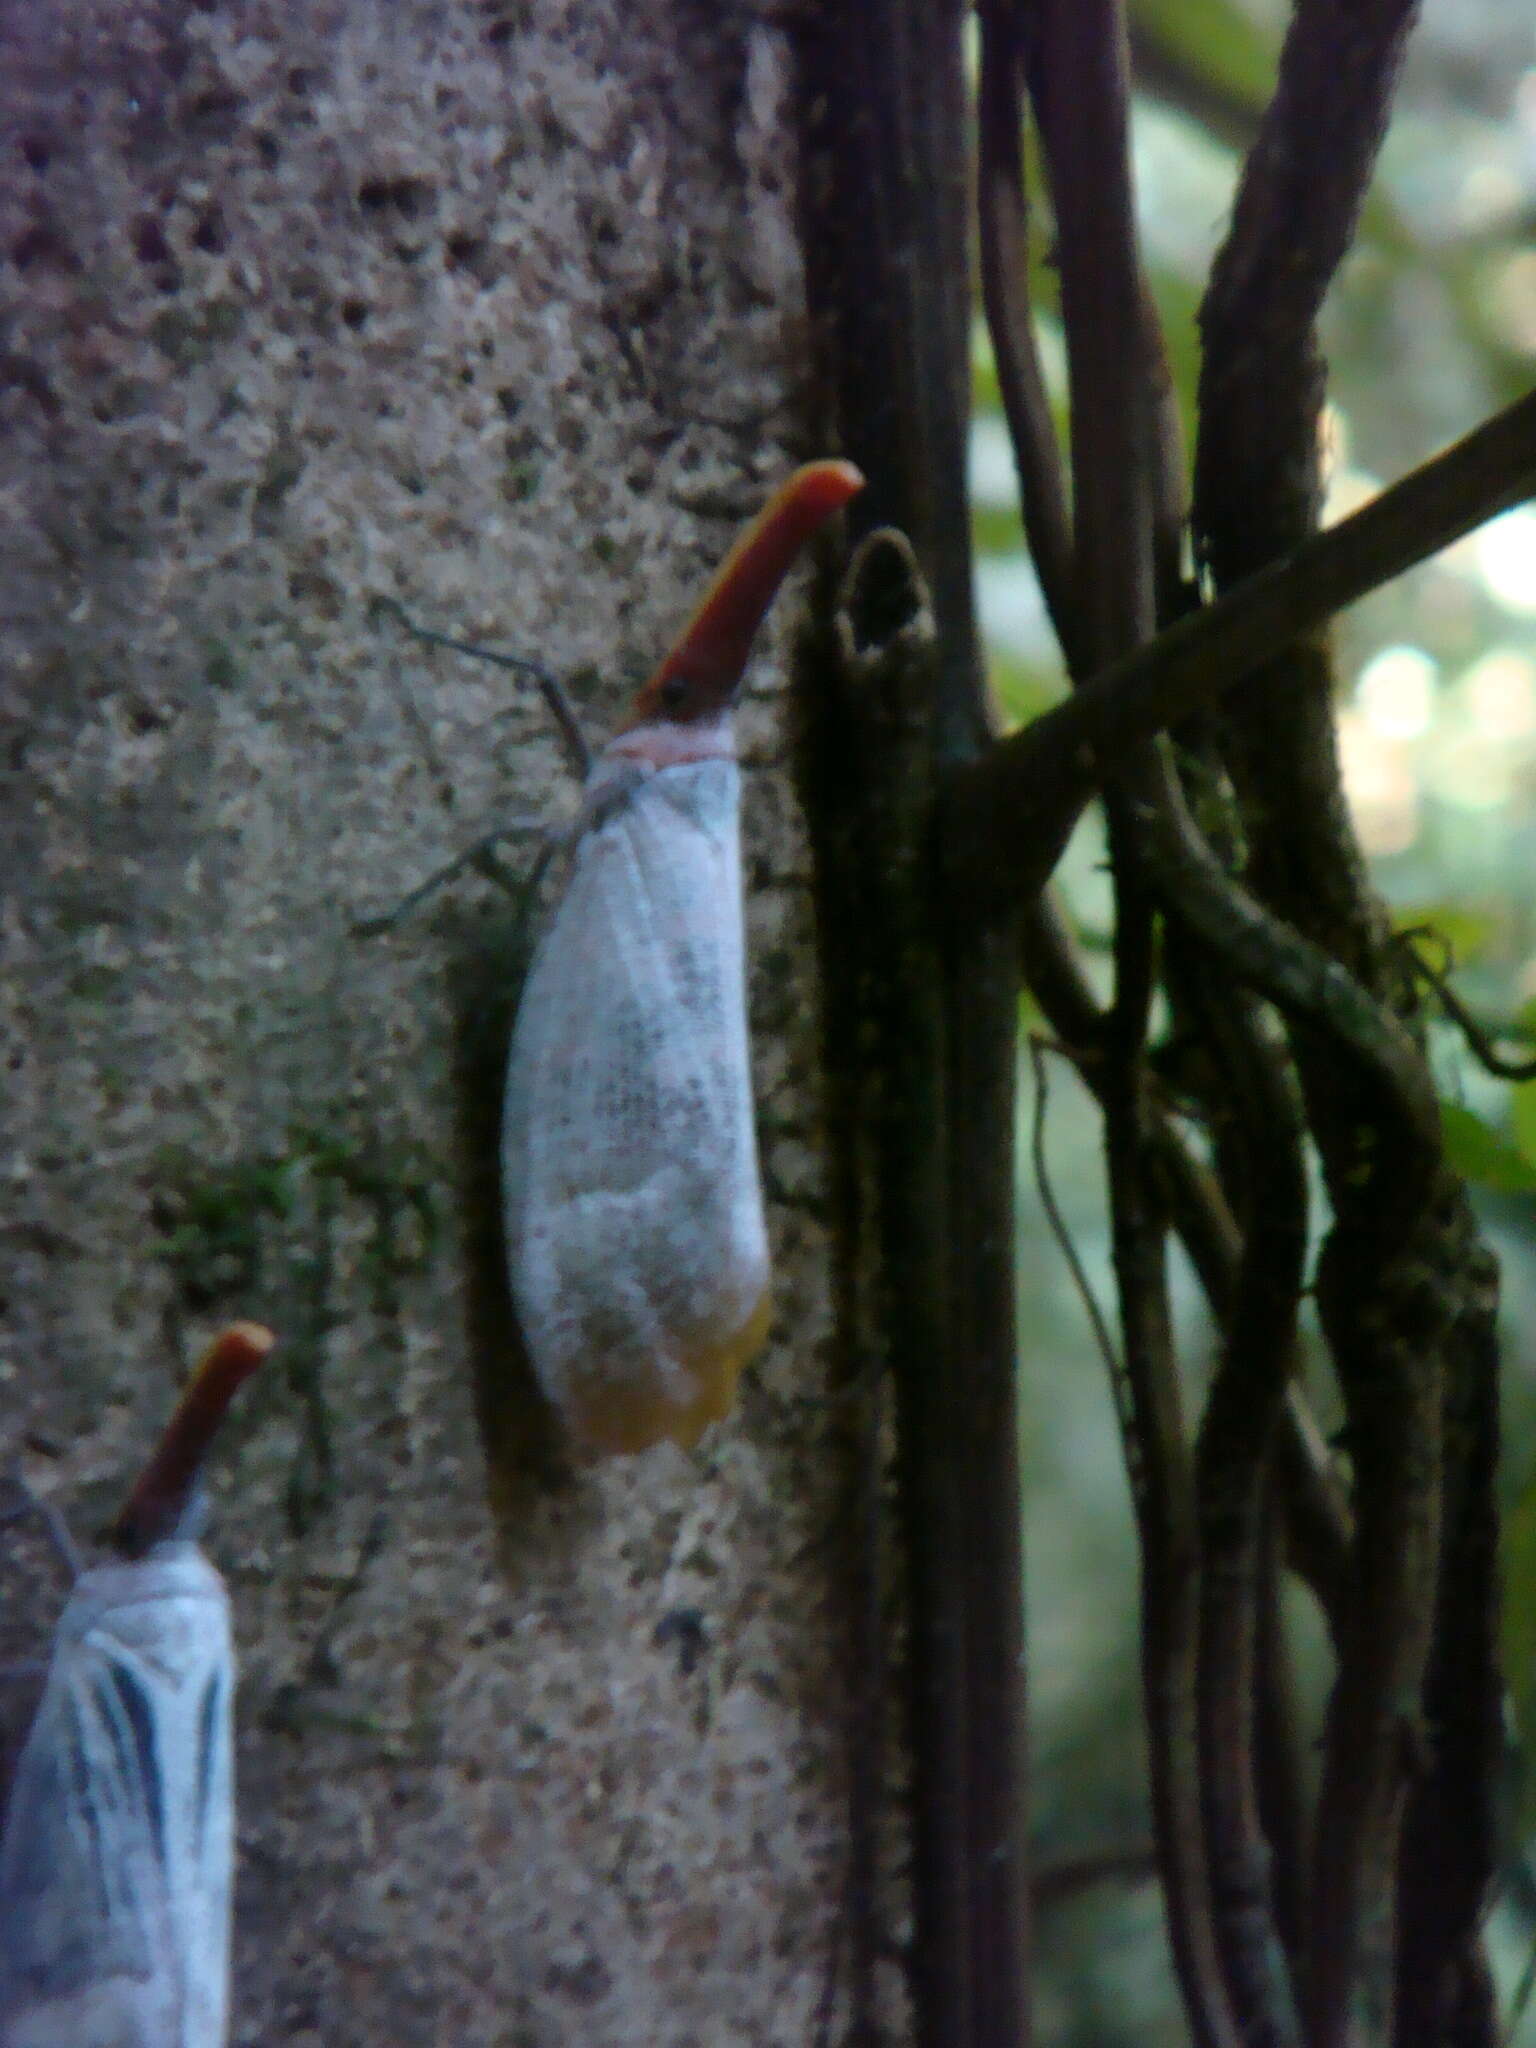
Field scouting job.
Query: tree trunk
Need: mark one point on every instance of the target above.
(494, 311)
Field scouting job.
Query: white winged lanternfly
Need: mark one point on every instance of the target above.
(636, 1246)
(117, 1851)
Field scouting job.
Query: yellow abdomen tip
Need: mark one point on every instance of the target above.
(609, 1419)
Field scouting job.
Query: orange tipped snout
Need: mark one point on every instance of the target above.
(700, 675)
(159, 1500)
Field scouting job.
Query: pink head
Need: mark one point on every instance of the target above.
(699, 677)
(159, 1502)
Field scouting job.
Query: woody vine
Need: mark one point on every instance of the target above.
(1244, 914)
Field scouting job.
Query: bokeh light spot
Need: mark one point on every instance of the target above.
(1396, 692)
(1500, 694)
(1506, 555)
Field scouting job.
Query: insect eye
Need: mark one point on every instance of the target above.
(674, 693)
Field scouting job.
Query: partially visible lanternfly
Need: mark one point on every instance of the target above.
(634, 1215)
(118, 1845)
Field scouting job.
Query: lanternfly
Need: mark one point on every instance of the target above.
(636, 1244)
(117, 1852)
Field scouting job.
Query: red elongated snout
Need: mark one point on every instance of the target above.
(165, 1487)
(699, 677)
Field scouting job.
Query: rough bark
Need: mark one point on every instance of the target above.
(494, 310)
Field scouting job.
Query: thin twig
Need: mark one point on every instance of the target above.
(1383, 1334)
(1278, 1755)
(1027, 794)
(1080, 83)
(1313, 990)
(1453, 1832)
(1102, 1336)
(1318, 1527)
(1004, 239)
(1479, 1042)
(1298, 202)
(1386, 1291)
(1261, 1101)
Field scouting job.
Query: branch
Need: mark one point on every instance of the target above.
(885, 184)
(1258, 476)
(1261, 384)
(885, 189)
(1317, 1520)
(865, 764)
(1250, 1803)
(1278, 1742)
(1480, 1043)
(1004, 236)
(1386, 1293)
(1260, 1097)
(1057, 1222)
(1079, 80)
(1451, 1833)
(1380, 1061)
(1031, 787)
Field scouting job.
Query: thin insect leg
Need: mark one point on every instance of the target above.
(1038, 1048)
(536, 874)
(33, 1503)
(320, 1666)
(476, 856)
(288, 1710)
(560, 707)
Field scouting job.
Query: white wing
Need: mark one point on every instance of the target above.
(637, 1250)
(117, 1850)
